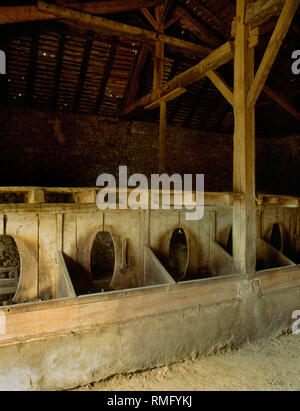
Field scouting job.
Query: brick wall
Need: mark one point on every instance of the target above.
(58, 149)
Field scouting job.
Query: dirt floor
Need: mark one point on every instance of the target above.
(266, 365)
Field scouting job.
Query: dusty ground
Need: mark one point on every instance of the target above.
(265, 365)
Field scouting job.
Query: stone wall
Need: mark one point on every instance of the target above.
(58, 149)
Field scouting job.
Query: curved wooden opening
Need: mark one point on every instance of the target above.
(178, 254)
(102, 261)
(9, 269)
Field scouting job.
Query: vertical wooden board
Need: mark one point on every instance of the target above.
(88, 225)
(126, 224)
(69, 235)
(24, 230)
(48, 268)
(224, 219)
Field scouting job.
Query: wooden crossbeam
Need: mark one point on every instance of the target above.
(278, 36)
(215, 59)
(168, 97)
(18, 14)
(136, 33)
(113, 6)
(221, 85)
(205, 35)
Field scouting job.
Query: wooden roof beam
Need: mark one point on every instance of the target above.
(214, 60)
(261, 11)
(135, 75)
(121, 29)
(18, 14)
(205, 35)
(282, 100)
(111, 6)
(109, 66)
(288, 12)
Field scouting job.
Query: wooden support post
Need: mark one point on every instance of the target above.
(244, 210)
(162, 137)
(158, 64)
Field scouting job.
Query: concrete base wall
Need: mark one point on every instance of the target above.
(77, 358)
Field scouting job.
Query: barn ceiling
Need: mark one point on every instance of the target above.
(59, 65)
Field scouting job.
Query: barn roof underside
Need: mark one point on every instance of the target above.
(67, 67)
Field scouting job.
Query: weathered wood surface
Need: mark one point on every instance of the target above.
(65, 287)
(155, 272)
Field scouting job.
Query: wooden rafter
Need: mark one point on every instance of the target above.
(195, 106)
(205, 35)
(217, 58)
(135, 75)
(282, 100)
(150, 18)
(59, 58)
(32, 67)
(136, 33)
(83, 70)
(109, 66)
(210, 110)
(223, 116)
(279, 34)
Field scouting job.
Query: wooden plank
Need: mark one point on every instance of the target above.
(65, 287)
(215, 59)
(244, 211)
(221, 85)
(278, 36)
(109, 26)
